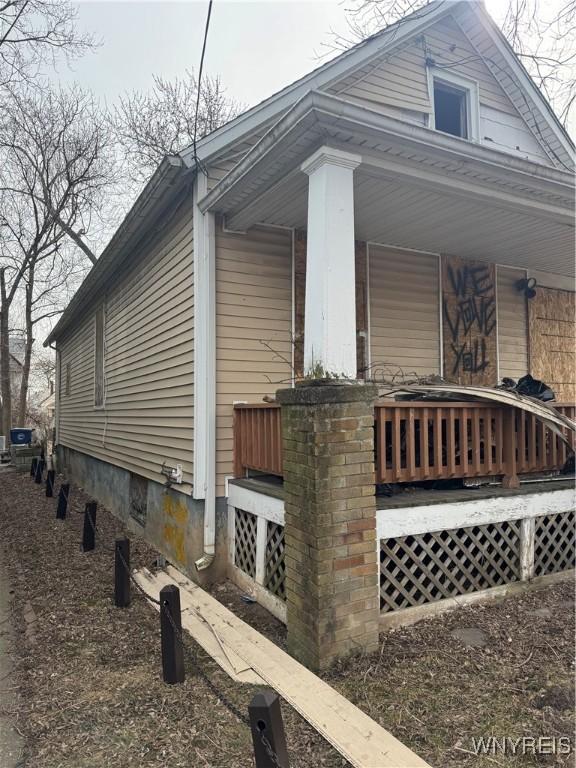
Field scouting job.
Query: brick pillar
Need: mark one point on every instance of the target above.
(330, 535)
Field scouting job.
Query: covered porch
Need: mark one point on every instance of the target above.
(358, 183)
(410, 243)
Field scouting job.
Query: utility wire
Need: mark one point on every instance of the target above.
(199, 89)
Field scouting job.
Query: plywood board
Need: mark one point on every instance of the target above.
(356, 736)
(552, 333)
(469, 321)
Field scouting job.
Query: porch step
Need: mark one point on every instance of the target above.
(357, 737)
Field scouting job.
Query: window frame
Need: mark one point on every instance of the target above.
(470, 89)
(100, 373)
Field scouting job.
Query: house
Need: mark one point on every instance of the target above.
(391, 211)
(16, 347)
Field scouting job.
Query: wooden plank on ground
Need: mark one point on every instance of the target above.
(356, 736)
(230, 662)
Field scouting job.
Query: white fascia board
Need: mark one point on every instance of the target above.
(275, 105)
(411, 521)
(259, 504)
(321, 105)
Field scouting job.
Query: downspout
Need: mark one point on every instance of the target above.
(205, 369)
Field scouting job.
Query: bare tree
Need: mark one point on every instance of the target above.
(34, 32)
(54, 170)
(541, 32)
(151, 125)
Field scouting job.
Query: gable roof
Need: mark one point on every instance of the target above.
(498, 56)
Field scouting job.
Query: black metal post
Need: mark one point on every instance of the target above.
(89, 532)
(267, 728)
(62, 501)
(122, 573)
(33, 465)
(171, 635)
(50, 475)
(39, 470)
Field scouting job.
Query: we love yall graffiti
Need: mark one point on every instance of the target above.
(470, 318)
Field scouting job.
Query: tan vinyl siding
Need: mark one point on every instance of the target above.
(404, 312)
(253, 326)
(148, 414)
(400, 79)
(512, 324)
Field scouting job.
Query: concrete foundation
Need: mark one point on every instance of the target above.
(171, 521)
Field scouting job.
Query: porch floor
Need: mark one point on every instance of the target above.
(412, 496)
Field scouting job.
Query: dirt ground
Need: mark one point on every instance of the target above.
(436, 692)
(88, 675)
(90, 693)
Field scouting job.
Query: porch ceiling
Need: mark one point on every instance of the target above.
(415, 188)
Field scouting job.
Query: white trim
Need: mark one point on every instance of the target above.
(259, 504)
(368, 317)
(261, 531)
(471, 90)
(497, 323)
(329, 156)
(293, 311)
(440, 318)
(231, 530)
(407, 521)
(527, 531)
(263, 597)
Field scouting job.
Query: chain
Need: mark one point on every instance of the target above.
(133, 580)
(123, 561)
(192, 655)
(230, 706)
(269, 751)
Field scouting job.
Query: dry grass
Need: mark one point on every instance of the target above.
(91, 694)
(89, 674)
(435, 694)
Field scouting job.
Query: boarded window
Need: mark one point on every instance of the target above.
(99, 359)
(138, 498)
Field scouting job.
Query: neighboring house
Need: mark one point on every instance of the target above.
(17, 348)
(376, 215)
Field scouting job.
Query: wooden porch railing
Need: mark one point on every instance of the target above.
(428, 441)
(415, 441)
(257, 439)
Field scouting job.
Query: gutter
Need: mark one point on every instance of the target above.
(314, 105)
(204, 486)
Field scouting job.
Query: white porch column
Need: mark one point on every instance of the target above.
(330, 308)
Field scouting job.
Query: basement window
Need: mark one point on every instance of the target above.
(455, 108)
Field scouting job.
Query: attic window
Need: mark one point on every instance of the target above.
(455, 104)
(450, 109)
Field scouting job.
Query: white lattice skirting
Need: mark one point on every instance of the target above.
(427, 554)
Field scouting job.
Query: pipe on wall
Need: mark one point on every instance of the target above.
(205, 369)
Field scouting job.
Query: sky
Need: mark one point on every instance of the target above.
(255, 47)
